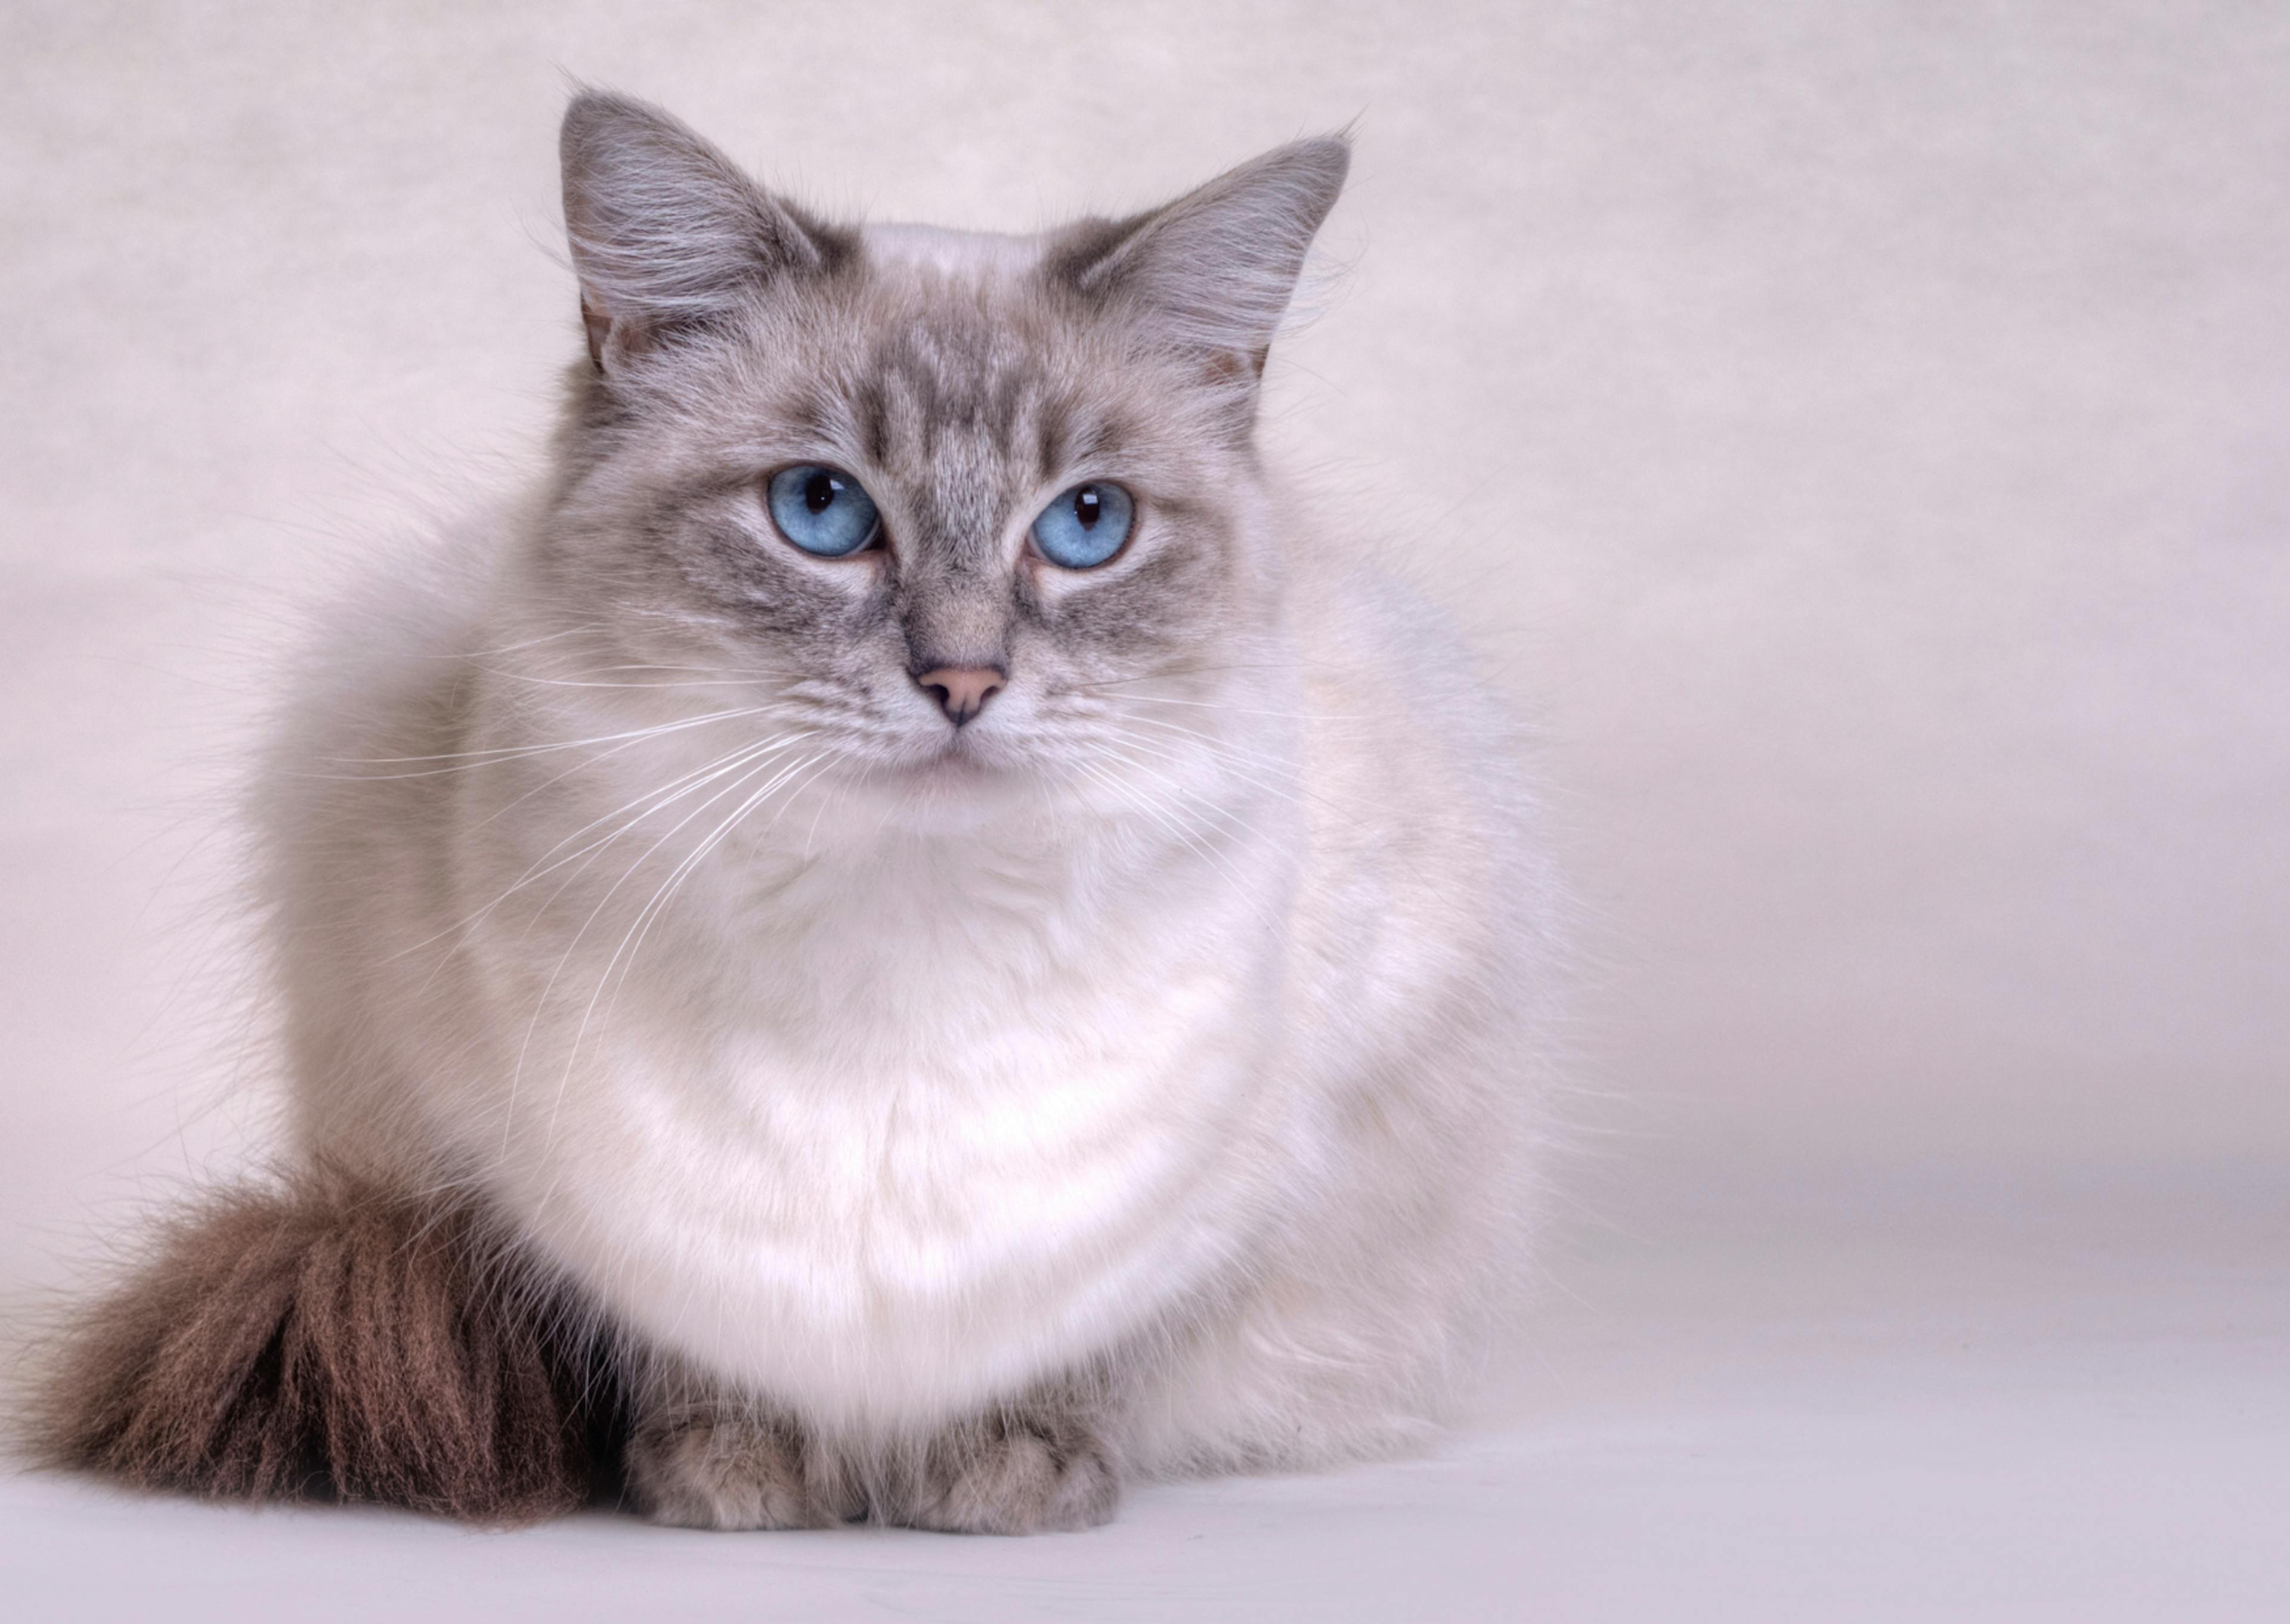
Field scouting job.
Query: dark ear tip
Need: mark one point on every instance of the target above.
(590, 107)
(1317, 165)
(594, 116)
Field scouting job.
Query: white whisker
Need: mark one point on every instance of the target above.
(632, 940)
(541, 1005)
(652, 800)
(501, 753)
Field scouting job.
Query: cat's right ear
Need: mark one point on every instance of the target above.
(668, 236)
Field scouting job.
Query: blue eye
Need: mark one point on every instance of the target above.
(1084, 526)
(822, 511)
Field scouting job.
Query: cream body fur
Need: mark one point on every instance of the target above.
(1171, 1033)
(997, 1165)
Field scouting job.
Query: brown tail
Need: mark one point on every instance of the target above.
(329, 1341)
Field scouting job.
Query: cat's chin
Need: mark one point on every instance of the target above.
(960, 777)
(954, 772)
(960, 758)
(970, 755)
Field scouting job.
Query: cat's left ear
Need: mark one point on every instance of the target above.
(668, 236)
(1214, 270)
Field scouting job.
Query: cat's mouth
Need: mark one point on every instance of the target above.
(965, 754)
(953, 784)
(960, 756)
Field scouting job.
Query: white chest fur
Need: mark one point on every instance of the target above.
(887, 1142)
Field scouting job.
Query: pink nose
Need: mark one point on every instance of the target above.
(962, 691)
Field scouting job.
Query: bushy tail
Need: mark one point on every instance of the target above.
(326, 1339)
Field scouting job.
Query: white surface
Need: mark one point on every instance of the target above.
(1862, 434)
(2063, 1406)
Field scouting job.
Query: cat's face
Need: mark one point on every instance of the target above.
(939, 502)
(932, 417)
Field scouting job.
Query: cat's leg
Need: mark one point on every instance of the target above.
(1041, 1466)
(701, 1457)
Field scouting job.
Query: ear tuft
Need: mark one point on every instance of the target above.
(1215, 269)
(668, 234)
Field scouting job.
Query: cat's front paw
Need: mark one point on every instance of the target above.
(728, 1469)
(1016, 1477)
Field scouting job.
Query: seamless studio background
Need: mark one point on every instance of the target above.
(1857, 436)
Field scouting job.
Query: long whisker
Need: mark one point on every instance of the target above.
(1175, 671)
(1281, 764)
(1202, 805)
(651, 801)
(1300, 794)
(566, 682)
(540, 1007)
(511, 648)
(658, 799)
(1242, 888)
(641, 925)
(1295, 789)
(1161, 751)
(661, 898)
(583, 858)
(518, 752)
(1238, 710)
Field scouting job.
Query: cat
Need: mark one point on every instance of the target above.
(903, 940)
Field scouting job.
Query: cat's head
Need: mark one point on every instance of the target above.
(938, 499)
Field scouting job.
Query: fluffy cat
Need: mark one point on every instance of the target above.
(904, 939)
